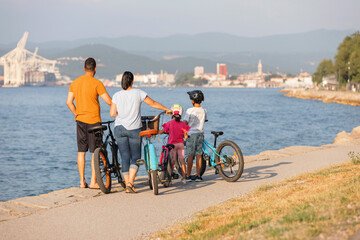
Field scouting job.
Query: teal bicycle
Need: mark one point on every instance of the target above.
(149, 129)
(227, 159)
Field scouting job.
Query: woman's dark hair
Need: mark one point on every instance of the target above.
(127, 80)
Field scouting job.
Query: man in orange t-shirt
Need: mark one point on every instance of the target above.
(86, 90)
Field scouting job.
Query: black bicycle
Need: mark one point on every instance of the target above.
(104, 169)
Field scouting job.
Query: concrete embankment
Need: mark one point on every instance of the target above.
(342, 97)
(76, 213)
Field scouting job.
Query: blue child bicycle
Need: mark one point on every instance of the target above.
(226, 158)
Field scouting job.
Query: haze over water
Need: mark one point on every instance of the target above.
(38, 138)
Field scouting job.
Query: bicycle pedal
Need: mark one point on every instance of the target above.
(140, 162)
(216, 171)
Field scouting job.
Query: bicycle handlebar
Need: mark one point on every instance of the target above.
(108, 122)
(152, 119)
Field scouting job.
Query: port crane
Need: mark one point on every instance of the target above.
(19, 61)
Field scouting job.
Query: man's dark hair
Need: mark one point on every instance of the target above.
(90, 64)
(127, 80)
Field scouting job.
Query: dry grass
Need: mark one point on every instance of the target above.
(319, 205)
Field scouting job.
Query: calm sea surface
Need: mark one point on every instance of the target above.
(38, 138)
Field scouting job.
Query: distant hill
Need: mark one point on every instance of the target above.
(319, 41)
(112, 61)
(288, 53)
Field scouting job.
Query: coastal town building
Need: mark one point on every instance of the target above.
(198, 71)
(330, 82)
(303, 80)
(260, 72)
(151, 79)
(221, 69)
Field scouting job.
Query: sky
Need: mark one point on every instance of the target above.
(51, 20)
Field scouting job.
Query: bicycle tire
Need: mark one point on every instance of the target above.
(178, 166)
(203, 165)
(149, 181)
(102, 172)
(168, 172)
(117, 168)
(118, 174)
(154, 181)
(234, 159)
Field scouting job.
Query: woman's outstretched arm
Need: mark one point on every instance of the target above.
(156, 105)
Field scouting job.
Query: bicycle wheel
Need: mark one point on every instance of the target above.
(118, 174)
(168, 172)
(154, 181)
(117, 166)
(178, 166)
(203, 165)
(150, 181)
(102, 172)
(232, 166)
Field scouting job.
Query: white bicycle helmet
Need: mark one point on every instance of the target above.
(177, 109)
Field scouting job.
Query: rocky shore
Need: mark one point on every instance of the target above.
(342, 97)
(30, 205)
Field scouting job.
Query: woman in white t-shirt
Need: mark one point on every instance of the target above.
(126, 107)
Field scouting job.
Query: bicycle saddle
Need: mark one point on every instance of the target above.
(97, 128)
(170, 146)
(217, 133)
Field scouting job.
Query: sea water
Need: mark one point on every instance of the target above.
(38, 132)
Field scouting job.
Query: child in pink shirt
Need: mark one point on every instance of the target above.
(177, 131)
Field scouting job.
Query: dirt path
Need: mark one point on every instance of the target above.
(127, 216)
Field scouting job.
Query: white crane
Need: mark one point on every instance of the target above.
(19, 61)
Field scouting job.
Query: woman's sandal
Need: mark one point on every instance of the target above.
(130, 189)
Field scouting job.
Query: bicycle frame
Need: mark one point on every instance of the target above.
(151, 162)
(214, 154)
(114, 147)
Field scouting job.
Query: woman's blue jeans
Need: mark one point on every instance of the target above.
(129, 147)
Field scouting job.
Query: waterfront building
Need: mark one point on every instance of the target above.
(330, 82)
(151, 79)
(221, 69)
(260, 72)
(198, 71)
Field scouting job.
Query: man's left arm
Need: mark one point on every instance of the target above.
(70, 103)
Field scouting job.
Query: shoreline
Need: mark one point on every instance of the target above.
(341, 97)
(26, 206)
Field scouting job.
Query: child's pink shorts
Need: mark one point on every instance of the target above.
(179, 149)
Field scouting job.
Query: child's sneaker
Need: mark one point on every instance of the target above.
(198, 179)
(175, 175)
(184, 181)
(188, 179)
